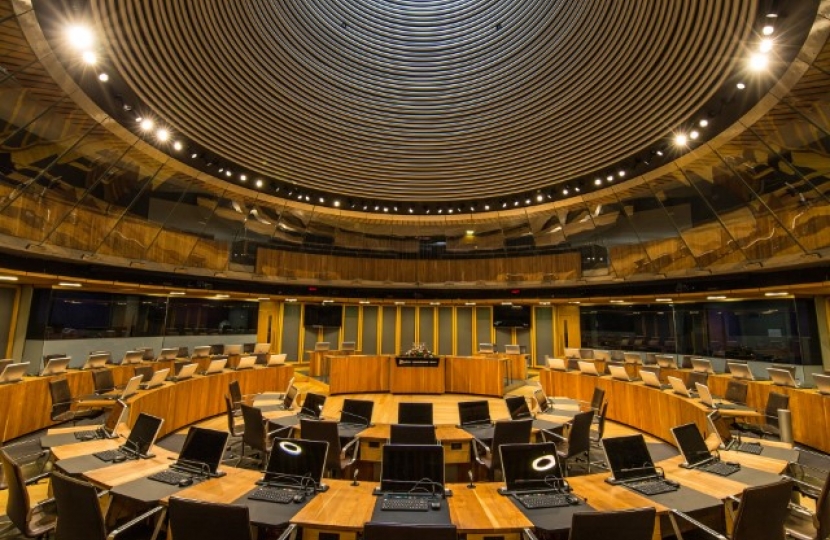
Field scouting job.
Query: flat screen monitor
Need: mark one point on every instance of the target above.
(262, 348)
(415, 413)
(322, 316)
(511, 316)
(204, 446)
(474, 412)
(529, 466)
(348, 346)
(602, 355)
(628, 457)
(202, 351)
(296, 462)
(144, 433)
(233, 350)
(571, 352)
(517, 407)
(168, 354)
(691, 444)
(412, 468)
(513, 349)
(740, 371)
(703, 365)
(486, 348)
(586, 354)
(313, 405)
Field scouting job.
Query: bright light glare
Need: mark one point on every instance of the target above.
(80, 37)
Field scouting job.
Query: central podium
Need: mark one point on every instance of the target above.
(417, 375)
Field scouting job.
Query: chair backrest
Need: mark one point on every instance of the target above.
(823, 510)
(579, 438)
(412, 434)
(78, 508)
(736, 391)
(696, 377)
(775, 401)
(601, 421)
(146, 372)
(236, 394)
(102, 380)
(197, 520)
(415, 413)
(18, 503)
(61, 397)
(762, 512)
(323, 430)
(635, 524)
(597, 398)
(399, 531)
(231, 418)
(254, 433)
(509, 432)
(357, 411)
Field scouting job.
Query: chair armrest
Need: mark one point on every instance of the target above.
(282, 431)
(478, 442)
(708, 530)
(345, 450)
(528, 534)
(37, 478)
(553, 435)
(288, 533)
(134, 521)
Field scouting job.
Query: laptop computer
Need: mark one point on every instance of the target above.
(261, 348)
(558, 364)
(666, 361)
(588, 368)
(199, 459)
(513, 349)
(348, 346)
(822, 383)
(294, 469)
(139, 442)
(321, 346)
(486, 348)
(679, 387)
(132, 357)
(474, 418)
(632, 358)
(168, 354)
(783, 377)
(740, 371)
(691, 444)
(245, 362)
(708, 399)
(276, 359)
(532, 469)
(202, 351)
(233, 350)
(619, 373)
(412, 469)
(720, 427)
(215, 366)
(107, 430)
(55, 366)
(702, 365)
(602, 355)
(651, 378)
(288, 400)
(312, 406)
(130, 388)
(13, 373)
(542, 400)
(632, 466)
(148, 355)
(517, 407)
(586, 354)
(158, 378)
(96, 361)
(186, 372)
(571, 352)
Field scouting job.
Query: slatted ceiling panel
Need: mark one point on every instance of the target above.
(366, 114)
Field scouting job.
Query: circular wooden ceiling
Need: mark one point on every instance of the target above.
(425, 100)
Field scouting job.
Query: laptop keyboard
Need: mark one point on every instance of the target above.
(411, 504)
(721, 468)
(86, 435)
(749, 447)
(545, 500)
(170, 477)
(109, 455)
(651, 487)
(273, 494)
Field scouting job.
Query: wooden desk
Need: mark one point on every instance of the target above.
(319, 364)
(477, 375)
(417, 379)
(456, 443)
(359, 373)
(343, 509)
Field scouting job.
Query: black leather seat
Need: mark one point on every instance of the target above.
(636, 524)
(198, 520)
(504, 432)
(33, 521)
(62, 404)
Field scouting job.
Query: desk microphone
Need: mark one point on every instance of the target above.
(354, 478)
(470, 476)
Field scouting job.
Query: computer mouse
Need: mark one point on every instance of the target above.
(572, 499)
(672, 482)
(87, 437)
(185, 482)
(299, 498)
(119, 458)
(435, 505)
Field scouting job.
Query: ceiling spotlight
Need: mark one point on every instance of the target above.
(411, 211)
(322, 200)
(243, 177)
(470, 232)
(147, 124)
(540, 197)
(621, 174)
(565, 191)
(765, 45)
(228, 173)
(177, 146)
(659, 152)
(89, 58)
(336, 204)
(768, 30)
(103, 77)
(703, 123)
(577, 189)
(515, 203)
(758, 61)
(259, 183)
(527, 201)
(487, 207)
(80, 37)
(194, 155)
(386, 209)
(440, 210)
(740, 86)
(162, 135)
(680, 139)
(597, 181)
(450, 210)
(694, 135)
(504, 205)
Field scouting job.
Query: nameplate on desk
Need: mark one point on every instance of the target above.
(417, 361)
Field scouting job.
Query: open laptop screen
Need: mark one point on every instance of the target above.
(719, 425)
(413, 468)
(517, 407)
(474, 412)
(114, 417)
(313, 405)
(296, 461)
(203, 446)
(530, 466)
(144, 433)
(541, 400)
(628, 457)
(691, 443)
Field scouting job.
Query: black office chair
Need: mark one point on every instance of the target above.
(412, 434)
(235, 393)
(146, 373)
(103, 381)
(257, 434)
(357, 411)
(598, 433)
(804, 524)
(504, 432)
(62, 401)
(700, 377)
(399, 531)
(338, 458)
(415, 413)
(578, 443)
(736, 391)
(198, 520)
(33, 521)
(769, 429)
(597, 399)
(635, 524)
(80, 512)
(235, 439)
(761, 513)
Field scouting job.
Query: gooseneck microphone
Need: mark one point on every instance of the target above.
(354, 478)
(470, 476)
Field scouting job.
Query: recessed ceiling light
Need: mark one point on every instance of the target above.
(435, 303)
(290, 299)
(663, 299)
(703, 123)
(765, 45)
(469, 303)
(758, 61)
(80, 37)
(540, 197)
(177, 293)
(768, 30)
(223, 296)
(89, 58)
(565, 191)
(162, 135)
(718, 297)
(574, 302)
(69, 284)
(680, 139)
(400, 303)
(9, 278)
(597, 181)
(264, 299)
(617, 301)
(103, 77)
(740, 86)
(336, 204)
(364, 302)
(507, 303)
(243, 177)
(610, 178)
(177, 146)
(487, 207)
(694, 135)
(147, 124)
(228, 173)
(544, 303)
(776, 294)
(470, 232)
(621, 174)
(259, 183)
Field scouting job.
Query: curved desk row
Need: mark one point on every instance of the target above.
(25, 406)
